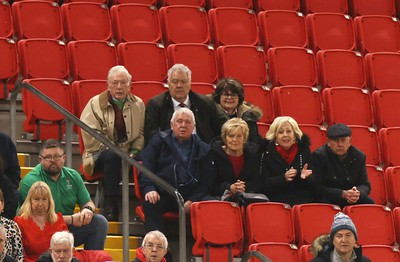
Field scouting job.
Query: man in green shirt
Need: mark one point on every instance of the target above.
(68, 189)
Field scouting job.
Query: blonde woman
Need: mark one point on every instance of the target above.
(285, 163)
(38, 221)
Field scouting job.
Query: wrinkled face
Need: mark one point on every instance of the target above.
(119, 86)
(286, 137)
(340, 145)
(40, 204)
(229, 101)
(182, 127)
(154, 250)
(235, 140)
(344, 241)
(179, 85)
(52, 160)
(61, 252)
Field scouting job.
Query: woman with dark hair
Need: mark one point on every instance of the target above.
(10, 201)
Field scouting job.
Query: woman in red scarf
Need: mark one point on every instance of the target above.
(285, 158)
(153, 249)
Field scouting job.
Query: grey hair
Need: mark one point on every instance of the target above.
(182, 68)
(181, 111)
(158, 235)
(278, 122)
(119, 69)
(62, 237)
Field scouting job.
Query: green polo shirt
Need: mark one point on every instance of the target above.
(67, 191)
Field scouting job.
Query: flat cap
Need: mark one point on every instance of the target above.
(337, 131)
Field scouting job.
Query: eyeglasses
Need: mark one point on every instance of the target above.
(151, 246)
(50, 158)
(177, 82)
(232, 95)
(122, 82)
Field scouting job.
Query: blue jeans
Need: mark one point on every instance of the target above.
(92, 235)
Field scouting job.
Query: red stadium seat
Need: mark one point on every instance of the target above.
(277, 251)
(375, 225)
(198, 3)
(317, 134)
(292, 66)
(84, 90)
(148, 89)
(6, 21)
(91, 59)
(86, 21)
(312, 220)
(386, 115)
(262, 5)
(308, 112)
(389, 141)
(366, 139)
(305, 253)
(392, 176)
(383, 70)
(348, 105)
(331, 31)
(340, 68)
(277, 228)
(376, 33)
(396, 216)
(200, 58)
(381, 253)
(185, 24)
(145, 61)
(146, 2)
(8, 66)
(219, 224)
(243, 62)
(320, 6)
(376, 177)
(202, 88)
(233, 26)
(37, 19)
(135, 22)
(372, 7)
(261, 96)
(43, 58)
(262, 128)
(282, 28)
(248, 4)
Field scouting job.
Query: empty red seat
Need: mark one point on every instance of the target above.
(375, 33)
(375, 225)
(146, 2)
(376, 177)
(389, 140)
(305, 253)
(366, 139)
(262, 5)
(396, 216)
(386, 115)
(37, 19)
(372, 7)
(233, 26)
(261, 96)
(198, 3)
(184, 24)
(248, 4)
(381, 253)
(6, 21)
(148, 89)
(309, 111)
(202, 88)
(319, 6)
(292, 66)
(262, 128)
(145, 61)
(383, 70)
(243, 62)
(135, 22)
(331, 31)
(282, 28)
(200, 58)
(317, 134)
(338, 67)
(349, 105)
(392, 176)
(277, 251)
(86, 21)
(91, 59)
(84, 90)
(8, 66)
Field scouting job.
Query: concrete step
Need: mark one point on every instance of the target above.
(117, 254)
(115, 242)
(24, 159)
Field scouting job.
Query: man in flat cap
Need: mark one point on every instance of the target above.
(339, 170)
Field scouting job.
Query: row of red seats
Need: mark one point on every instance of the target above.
(284, 226)
(189, 24)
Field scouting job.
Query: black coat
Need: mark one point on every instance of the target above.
(325, 254)
(273, 168)
(224, 174)
(209, 117)
(333, 176)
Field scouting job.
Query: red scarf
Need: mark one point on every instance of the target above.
(141, 257)
(288, 155)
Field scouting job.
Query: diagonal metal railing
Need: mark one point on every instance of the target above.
(72, 119)
(255, 253)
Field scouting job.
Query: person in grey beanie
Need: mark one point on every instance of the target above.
(340, 245)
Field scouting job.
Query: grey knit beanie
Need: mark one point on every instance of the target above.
(342, 221)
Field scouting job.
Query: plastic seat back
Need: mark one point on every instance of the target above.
(372, 7)
(305, 253)
(376, 177)
(6, 20)
(262, 5)
(84, 90)
(389, 141)
(145, 2)
(376, 231)
(202, 88)
(277, 251)
(386, 115)
(135, 22)
(320, 6)
(148, 89)
(383, 70)
(396, 216)
(381, 253)
(248, 4)
(392, 176)
(261, 96)
(8, 66)
(317, 134)
(366, 139)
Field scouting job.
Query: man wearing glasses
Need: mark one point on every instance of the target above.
(67, 189)
(153, 249)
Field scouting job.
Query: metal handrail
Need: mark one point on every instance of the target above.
(255, 253)
(125, 172)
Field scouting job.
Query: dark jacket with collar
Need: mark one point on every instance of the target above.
(160, 157)
(209, 117)
(333, 175)
(327, 248)
(273, 168)
(224, 174)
